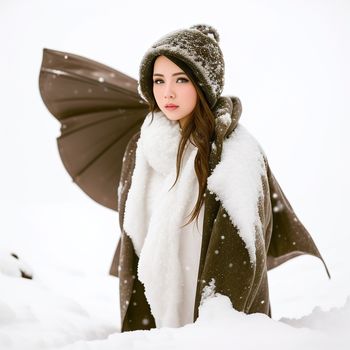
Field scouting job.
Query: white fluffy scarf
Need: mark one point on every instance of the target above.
(153, 216)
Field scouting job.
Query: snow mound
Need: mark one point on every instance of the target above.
(34, 316)
(219, 325)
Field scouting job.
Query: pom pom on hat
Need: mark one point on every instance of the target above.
(207, 30)
(197, 47)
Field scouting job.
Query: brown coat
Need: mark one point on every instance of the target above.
(246, 284)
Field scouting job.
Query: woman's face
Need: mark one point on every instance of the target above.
(171, 86)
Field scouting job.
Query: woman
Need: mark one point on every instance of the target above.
(200, 210)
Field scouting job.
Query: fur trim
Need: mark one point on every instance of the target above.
(237, 182)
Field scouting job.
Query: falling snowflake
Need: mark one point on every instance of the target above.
(145, 321)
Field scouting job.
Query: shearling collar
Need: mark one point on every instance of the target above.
(236, 166)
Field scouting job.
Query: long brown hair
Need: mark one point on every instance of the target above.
(201, 129)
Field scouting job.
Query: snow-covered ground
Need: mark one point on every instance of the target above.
(61, 307)
(288, 63)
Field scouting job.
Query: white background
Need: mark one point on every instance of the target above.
(288, 62)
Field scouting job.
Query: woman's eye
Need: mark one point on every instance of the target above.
(159, 81)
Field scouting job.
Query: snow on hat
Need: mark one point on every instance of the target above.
(198, 47)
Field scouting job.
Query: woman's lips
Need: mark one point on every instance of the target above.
(171, 108)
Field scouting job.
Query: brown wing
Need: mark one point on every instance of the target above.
(99, 109)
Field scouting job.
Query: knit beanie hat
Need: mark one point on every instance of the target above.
(198, 47)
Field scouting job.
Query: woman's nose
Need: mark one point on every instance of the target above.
(169, 91)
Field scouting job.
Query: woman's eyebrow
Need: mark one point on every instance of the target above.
(161, 75)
